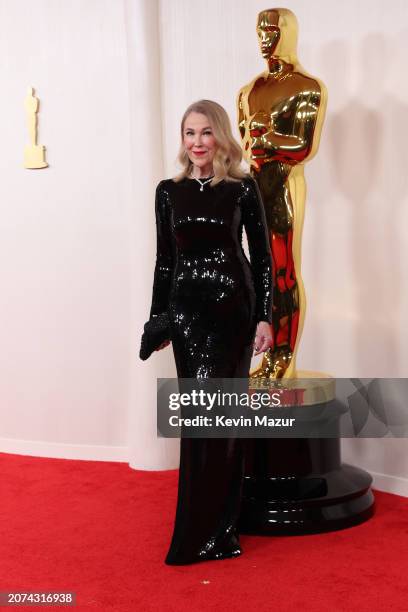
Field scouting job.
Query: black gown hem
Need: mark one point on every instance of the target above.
(234, 550)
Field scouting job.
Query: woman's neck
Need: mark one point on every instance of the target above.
(201, 173)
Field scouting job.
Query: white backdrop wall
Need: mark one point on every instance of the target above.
(65, 311)
(78, 239)
(355, 237)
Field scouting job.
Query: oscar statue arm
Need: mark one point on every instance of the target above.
(293, 144)
(240, 113)
(254, 222)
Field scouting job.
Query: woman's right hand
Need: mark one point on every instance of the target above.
(163, 345)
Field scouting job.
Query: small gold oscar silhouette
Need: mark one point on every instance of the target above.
(34, 154)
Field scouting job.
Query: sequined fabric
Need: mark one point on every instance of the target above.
(214, 297)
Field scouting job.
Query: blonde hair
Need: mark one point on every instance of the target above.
(228, 154)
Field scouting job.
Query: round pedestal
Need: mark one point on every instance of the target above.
(298, 486)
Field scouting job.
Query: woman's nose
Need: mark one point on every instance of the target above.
(197, 139)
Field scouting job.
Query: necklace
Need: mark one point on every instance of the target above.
(204, 182)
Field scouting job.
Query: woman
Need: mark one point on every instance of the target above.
(216, 304)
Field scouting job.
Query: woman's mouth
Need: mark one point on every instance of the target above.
(198, 153)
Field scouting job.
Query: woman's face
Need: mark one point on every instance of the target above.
(199, 141)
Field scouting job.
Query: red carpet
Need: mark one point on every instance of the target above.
(102, 530)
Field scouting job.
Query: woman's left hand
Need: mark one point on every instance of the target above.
(263, 337)
(163, 345)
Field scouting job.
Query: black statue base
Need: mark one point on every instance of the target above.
(295, 486)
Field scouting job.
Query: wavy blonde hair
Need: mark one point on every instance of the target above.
(228, 155)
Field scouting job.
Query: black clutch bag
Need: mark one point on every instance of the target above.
(156, 331)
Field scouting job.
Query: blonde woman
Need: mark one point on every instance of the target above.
(217, 306)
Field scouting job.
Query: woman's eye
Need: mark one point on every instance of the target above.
(204, 133)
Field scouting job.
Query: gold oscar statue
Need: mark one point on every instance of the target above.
(280, 115)
(300, 481)
(34, 154)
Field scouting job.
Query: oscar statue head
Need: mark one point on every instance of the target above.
(277, 31)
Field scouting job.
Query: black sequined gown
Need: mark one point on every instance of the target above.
(214, 298)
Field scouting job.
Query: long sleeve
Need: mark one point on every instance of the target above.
(164, 254)
(254, 221)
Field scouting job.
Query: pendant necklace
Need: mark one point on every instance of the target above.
(204, 182)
